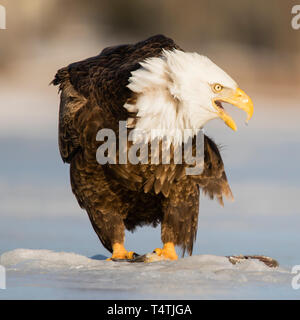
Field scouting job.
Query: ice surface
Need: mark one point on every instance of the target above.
(199, 276)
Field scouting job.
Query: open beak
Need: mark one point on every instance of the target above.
(239, 99)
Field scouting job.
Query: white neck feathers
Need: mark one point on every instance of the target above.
(169, 97)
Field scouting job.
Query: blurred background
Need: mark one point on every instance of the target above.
(252, 40)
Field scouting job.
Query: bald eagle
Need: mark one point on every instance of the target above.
(152, 84)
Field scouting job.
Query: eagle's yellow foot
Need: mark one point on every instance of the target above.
(167, 252)
(120, 253)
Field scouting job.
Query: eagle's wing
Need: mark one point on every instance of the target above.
(98, 85)
(213, 180)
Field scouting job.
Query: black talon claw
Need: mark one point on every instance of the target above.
(139, 258)
(135, 255)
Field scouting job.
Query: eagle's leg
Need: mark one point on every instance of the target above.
(167, 252)
(179, 223)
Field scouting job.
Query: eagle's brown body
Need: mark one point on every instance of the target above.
(116, 197)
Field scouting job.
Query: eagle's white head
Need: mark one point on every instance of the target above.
(181, 90)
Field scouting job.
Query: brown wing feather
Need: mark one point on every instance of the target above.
(71, 102)
(213, 180)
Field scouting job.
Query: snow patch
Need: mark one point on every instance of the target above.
(194, 277)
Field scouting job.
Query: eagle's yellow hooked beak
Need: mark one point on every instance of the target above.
(239, 99)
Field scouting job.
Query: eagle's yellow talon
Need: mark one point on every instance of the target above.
(167, 252)
(119, 252)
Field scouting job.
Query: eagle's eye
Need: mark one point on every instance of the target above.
(217, 87)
